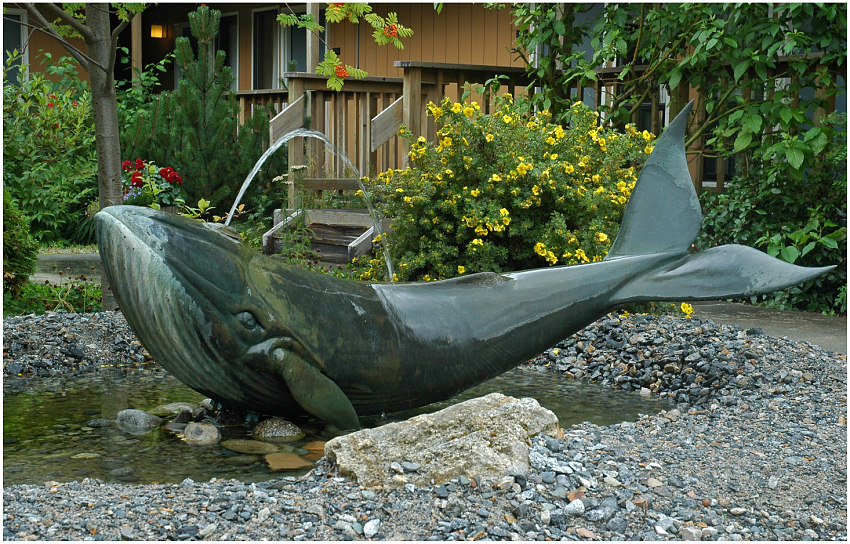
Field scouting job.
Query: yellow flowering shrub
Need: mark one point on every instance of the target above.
(509, 190)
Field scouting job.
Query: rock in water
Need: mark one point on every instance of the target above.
(136, 421)
(485, 438)
(250, 447)
(277, 429)
(286, 461)
(202, 434)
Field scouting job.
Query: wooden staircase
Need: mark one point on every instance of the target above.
(337, 235)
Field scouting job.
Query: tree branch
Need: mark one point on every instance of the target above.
(75, 52)
(66, 18)
(113, 49)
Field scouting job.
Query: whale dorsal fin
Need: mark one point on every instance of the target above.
(663, 214)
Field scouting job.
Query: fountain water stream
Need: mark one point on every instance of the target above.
(306, 133)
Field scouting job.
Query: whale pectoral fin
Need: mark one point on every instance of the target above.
(317, 394)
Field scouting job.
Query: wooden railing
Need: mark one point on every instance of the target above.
(275, 99)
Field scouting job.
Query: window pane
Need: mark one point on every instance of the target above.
(264, 49)
(11, 41)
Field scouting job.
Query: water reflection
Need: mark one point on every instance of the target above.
(49, 432)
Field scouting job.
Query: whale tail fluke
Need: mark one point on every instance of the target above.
(716, 273)
(663, 217)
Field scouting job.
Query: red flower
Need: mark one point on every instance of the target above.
(50, 104)
(140, 164)
(127, 165)
(136, 179)
(340, 71)
(178, 179)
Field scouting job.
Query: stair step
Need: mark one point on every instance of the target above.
(334, 235)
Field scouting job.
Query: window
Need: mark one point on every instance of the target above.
(14, 36)
(266, 50)
(277, 49)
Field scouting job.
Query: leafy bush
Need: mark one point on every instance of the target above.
(50, 162)
(800, 219)
(20, 250)
(507, 191)
(36, 298)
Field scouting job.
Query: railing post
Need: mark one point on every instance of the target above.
(295, 154)
(412, 106)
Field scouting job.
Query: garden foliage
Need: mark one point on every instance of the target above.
(20, 250)
(196, 129)
(507, 191)
(49, 158)
(800, 219)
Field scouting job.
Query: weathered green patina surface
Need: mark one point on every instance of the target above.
(254, 333)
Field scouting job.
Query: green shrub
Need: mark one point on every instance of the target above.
(507, 191)
(49, 157)
(800, 219)
(36, 298)
(20, 250)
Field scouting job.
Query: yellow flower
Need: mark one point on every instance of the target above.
(421, 139)
(601, 236)
(648, 149)
(581, 256)
(481, 231)
(461, 269)
(475, 105)
(553, 156)
(408, 200)
(494, 178)
(475, 192)
(559, 132)
(507, 119)
(568, 168)
(646, 135)
(687, 309)
(550, 140)
(504, 212)
(535, 190)
(358, 193)
(596, 178)
(489, 137)
(477, 242)
(426, 277)
(457, 108)
(540, 248)
(399, 190)
(446, 142)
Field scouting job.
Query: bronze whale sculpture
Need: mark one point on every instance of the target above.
(254, 333)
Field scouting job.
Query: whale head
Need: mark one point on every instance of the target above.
(185, 288)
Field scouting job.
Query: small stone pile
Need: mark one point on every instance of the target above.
(67, 343)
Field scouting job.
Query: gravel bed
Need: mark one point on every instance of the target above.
(756, 449)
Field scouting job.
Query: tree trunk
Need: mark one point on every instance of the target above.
(105, 111)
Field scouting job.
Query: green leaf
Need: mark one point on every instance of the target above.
(829, 242)
(559, 27)
(795, 157)
(786, 114)
(743, 141)
(740, 68)
(752, 123)
(811, 245)
(789, 254)
(675, 77)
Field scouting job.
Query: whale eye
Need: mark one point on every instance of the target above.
(247, 320)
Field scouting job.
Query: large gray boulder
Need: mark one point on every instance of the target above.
(484, 438)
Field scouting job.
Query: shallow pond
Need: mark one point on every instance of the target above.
(46, 432)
